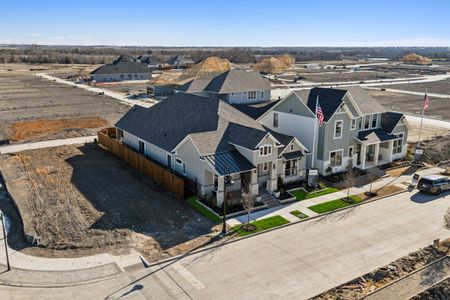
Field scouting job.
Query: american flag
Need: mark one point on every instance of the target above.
(426, 101)
(319, 113)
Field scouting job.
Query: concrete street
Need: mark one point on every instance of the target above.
(293, 262)
(302, 260)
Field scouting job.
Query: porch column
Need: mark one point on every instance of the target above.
(377, 152)
(253, 186)
(220, 190)
(272, 182)
(363, 156)
(389, 150)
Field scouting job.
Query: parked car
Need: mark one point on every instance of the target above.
(434, 184)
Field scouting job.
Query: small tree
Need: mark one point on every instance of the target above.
(248, 202)
(349, 178)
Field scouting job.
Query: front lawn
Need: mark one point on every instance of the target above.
(261, 225)
(202, 210)
(333, 205)
(298, 214)
(301, 194)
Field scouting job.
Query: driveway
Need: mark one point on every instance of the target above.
(305, 259)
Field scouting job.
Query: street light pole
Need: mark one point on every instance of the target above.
(224, 216)
(6, 242)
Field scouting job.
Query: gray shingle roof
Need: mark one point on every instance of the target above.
(211, 123)
(237, 80)
(366, 103)
(389, 120)
(255, 111)
(195, 85)
(292, 155)
(122, 67)
(179, 60)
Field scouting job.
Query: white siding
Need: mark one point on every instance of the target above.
(242, 97)
(151, 150)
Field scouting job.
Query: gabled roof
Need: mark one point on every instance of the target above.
(237, 80)
(375, 135)
(329, 100)
(211, 124)
(257, 110)
(366, 103)
(389, 120)
(123, 58)
(122, 67)
(195, 85)
(180, 60)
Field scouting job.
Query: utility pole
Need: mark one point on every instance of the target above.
(5, 236)
(224, 216)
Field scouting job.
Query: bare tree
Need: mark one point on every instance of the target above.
(349, 178)
(248, 202)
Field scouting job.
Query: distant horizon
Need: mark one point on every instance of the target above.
(202, 23)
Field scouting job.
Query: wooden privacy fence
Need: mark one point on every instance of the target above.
(159, 174)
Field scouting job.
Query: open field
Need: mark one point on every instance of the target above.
(438, 87)
(345, 75)
(412, 104)
(68, 203)
(25, 97)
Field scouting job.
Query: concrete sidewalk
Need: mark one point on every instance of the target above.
(46, 144)
(302, 206)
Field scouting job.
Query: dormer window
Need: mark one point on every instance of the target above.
(374, 120)
(265, 150)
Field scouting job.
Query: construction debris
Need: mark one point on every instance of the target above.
(415, 59)
(274, 64)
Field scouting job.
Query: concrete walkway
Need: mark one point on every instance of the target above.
(109, 93)
(46, 144)
(414, 283)
(302, 206)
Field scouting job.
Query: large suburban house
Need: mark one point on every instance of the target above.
(356, 127)
(206, 139)
(120, 70)
(180, 62)
(235, 86)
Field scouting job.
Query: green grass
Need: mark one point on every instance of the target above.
(262, 225)
(332, 205)
(202, 210)
(302, 194)
(298, 214)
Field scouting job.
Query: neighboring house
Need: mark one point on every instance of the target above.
(235, 86)
(121, 71)
(356, 128)
(151, 61)
(206, 139)
(180, 62)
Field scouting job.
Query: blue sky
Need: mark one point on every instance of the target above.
(227, 22)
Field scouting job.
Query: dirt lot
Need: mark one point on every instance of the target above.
(440, 291)
(84, 200)
(437, 150)
(27, 97)
(367, 283)
(412, 104)
(438, 87)
(327, 76)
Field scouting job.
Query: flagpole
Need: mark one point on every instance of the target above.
(421, 121)
(315, 133)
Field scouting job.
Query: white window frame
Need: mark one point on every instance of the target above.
(292, 147)
(368, 119)
(397, 145)
(265, 167)
(335, 127)
(336, 151)
(178, 161)
(374, 117)
(265, 150)
(252, 95)
(353, 124)
(276, 120)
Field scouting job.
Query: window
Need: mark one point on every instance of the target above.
(292, 147)
(262, 95)
(338, 129)
(266, 167)
(350, 152)
(141, 147)
(398, 145)
(265, 150)
(184, 168)
(360, 124)
(353, 124)
(179, 161)
(169, 161)
(366, 122)
(336, 158)
(251, 95)
(374, 120)
(275, 120)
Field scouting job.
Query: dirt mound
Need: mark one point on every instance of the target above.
(416, 59)
(25, 130)
(210, 67)
(275, 64)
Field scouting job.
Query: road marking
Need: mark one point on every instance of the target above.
(188, 276)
